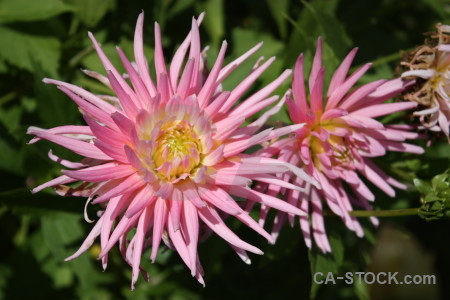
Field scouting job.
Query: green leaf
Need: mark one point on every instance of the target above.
(326, 263)
(24, 51)
(439, 182)
(11, 118)
(10, 161)
(436, 5)
(422, 186)
(214, 23)
(26, 10)
(53, 106)
(243, 40)
(3, 67)
(332, 30)
(93, 63)
(28, 104)
(279, 10)
(178, 7)
(61, 230)
(90, 12)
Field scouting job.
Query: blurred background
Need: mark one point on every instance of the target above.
(48, 38)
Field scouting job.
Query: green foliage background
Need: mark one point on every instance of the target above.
(48, 38)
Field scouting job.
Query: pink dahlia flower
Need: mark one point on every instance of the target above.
(337, 144)
(430, 64)
(164, 157)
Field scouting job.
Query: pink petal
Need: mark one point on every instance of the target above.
(136, 81)
(139, 237)
(379, 110)
(95, 232)
(261, 94)
(358, 95)
(377, 180)
(341, 73)
(191, 228)
(64, 162)
(126, 100)
(72, 130)
(316, 67)
(316, 91)
(79, 147)
(91, 109)
(232, 65)
(139, 56)
(220, 199)
(158, 226)
(210, 84)
(402, 147)
(342, 89)
(213, 221)
(56, 181)
(110, 68)
(85, 95)
(245, 85)
(298, 85)
(143, 199)
(131, 183)
(101, 173)
(262, 198)
(176, 204)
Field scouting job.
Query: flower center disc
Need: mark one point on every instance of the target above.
(177, 151)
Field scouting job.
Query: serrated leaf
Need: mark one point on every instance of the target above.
(25, 51)
(26, 10)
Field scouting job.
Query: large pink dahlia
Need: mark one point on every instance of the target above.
(164, 157)
(336, 145)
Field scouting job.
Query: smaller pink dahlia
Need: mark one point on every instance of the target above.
(430, 65)
(337, 144)
(164, 158)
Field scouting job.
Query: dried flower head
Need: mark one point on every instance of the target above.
(430, 65)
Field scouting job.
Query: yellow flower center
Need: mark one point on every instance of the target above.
(341, 154)
(178, 150)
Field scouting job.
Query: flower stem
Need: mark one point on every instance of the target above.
(385, 213)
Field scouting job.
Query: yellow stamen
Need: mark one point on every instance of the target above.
(177, 150)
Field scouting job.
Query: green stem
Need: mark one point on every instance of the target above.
(385, 213)
(385, 59)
